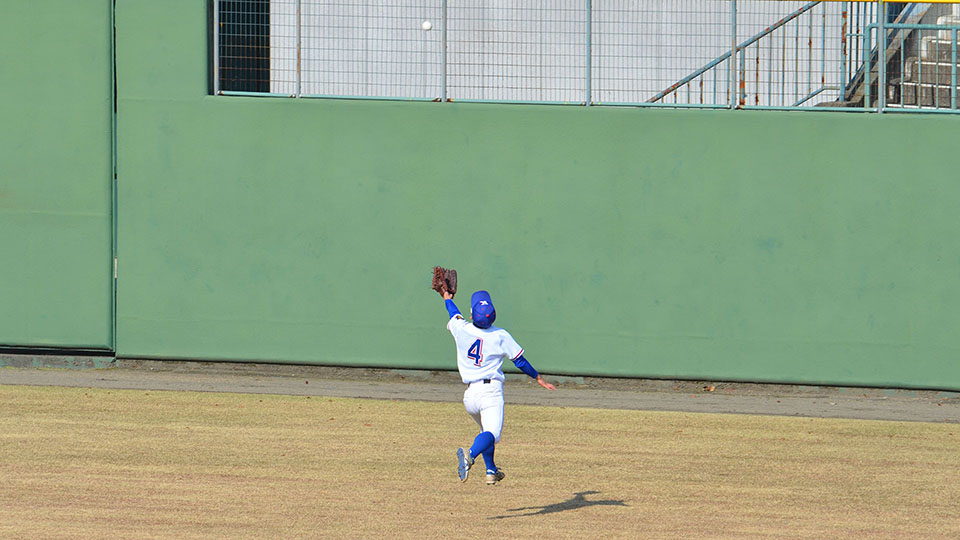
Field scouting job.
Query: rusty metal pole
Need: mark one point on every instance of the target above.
(843, 52)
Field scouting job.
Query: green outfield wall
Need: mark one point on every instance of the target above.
(56, 224)
(797, 247)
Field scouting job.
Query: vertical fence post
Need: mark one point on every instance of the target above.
(823, 50)
(742, 85)
(733, 54)
(714, 85)
(953, 71)
(882, 53)
(843, 50)
(298, 49)
(588, 99)
(810, 54)
(443, 51)
(796, 62)
(867, 67)
(770, 71)
(216, 47)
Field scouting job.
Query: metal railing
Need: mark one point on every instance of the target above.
(756, 81)
(914, 87)
(741, 54)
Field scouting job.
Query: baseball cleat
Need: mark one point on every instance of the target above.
(494, 477)
(464, 462)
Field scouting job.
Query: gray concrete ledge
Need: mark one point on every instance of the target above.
(445, 386)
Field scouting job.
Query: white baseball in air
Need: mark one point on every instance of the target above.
(427, 26)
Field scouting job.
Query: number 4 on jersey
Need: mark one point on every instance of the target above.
(475, 352)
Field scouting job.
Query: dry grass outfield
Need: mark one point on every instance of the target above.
(97, 464)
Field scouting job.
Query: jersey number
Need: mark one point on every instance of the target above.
(475, 352)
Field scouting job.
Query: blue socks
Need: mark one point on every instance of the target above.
(488, 459)
(483, 445)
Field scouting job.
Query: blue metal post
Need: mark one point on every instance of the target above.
(843, 47)
(903, 66)
(783, 67)
(733, 53)
(796, 62)
(953, 71)
(882, 37)
(443, 51)
(299, 56)
(589, 75)
(823, 48)
(743, 78)
(867, 68)
(216, 48)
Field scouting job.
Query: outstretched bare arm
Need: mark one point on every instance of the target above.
(545, 384)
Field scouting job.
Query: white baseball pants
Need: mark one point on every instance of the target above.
(484, 402)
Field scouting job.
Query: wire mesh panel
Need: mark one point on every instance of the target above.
(283, 46)
(510, 50)
(642, 49)
(372, 48)
(922, 71)
(243, 45)
(930, 79)
(699, 53)
(855, 17)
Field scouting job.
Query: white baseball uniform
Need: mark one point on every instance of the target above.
(480, 356)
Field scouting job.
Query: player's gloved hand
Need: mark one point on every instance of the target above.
(545, 384)
(446, 295)
(444, 280)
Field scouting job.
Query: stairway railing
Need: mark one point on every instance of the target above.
(858, 21)
(882, 82)
(718, 60)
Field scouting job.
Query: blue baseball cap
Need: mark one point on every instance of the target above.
(481, 309)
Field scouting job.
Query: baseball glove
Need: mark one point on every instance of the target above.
(444, 279)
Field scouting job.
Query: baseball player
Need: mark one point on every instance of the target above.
(481, 349)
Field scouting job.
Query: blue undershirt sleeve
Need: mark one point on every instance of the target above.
(525, 366)
(451, 308)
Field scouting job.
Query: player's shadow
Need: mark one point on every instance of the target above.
(579, 500)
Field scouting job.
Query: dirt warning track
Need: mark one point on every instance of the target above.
(435, 386)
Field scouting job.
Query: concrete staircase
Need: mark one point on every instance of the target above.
(928, 79)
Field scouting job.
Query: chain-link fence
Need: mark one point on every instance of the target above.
(677, 53)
